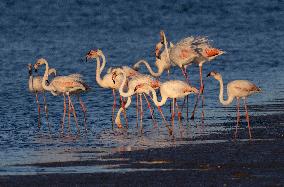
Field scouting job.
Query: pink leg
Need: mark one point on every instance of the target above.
(38, 109)
(64, 113)
(200, 92)
(113, 107)
(74, 114)
(141, 112)
(137, 110)
(83, 106)
(151, 111)
(173, 112)
(69, 114)
(179, 112)
(46, 111)
(238, 117)
(165, 121)
(247, 117)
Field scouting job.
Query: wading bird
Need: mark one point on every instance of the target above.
(194, 50)
(65, 85)
(173, 89)
(236, 89)
(162, 60)
(106, 81)
(132, 83)
(35, 87)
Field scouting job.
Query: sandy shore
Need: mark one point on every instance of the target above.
(259, 162)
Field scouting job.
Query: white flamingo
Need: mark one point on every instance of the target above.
(65, 85)
(173, 89)
(106, 81)
(132, 83)
(236, 89)
(35, 87)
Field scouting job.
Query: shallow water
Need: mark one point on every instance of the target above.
(250, 32)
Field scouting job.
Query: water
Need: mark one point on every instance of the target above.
(63, 31)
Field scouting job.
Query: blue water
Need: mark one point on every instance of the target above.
(251, 33)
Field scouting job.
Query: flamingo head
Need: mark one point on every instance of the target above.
(30, 67)
(114, 74)
(215, 74)
(93, 54)
(155, 84)
(162, 37)
(39, 62)
(137, 87)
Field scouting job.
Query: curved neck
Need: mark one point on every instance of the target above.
(160, 70)
(45, 78)
(130, 92)
(221, 95)
(99, 71)
(155, 99)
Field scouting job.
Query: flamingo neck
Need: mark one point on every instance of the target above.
(99, 71)
(154, 74)
(130, 92)
(155, 99)
(117, 119)
(221, 95)
(45, 78)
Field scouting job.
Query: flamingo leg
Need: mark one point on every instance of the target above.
(165, 121)
(247, 118)
(113, 107)
(84, 108)
(69, 115)
(64, 113)
(200, 92)
(137, 110)
(238, 117)
(151, 110)
(46, 111)
(179, 112)
(38, 109)
(185, 74)
(141, 112)
(173, 111)
(74, 114)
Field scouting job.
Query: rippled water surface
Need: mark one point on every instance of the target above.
(251, 33)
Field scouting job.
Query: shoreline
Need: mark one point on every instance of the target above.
(242, 162)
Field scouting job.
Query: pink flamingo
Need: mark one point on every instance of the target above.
(236, 89)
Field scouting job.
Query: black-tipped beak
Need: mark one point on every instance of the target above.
(113, 81)
(209, 74)
(135, 89)
(36, 70)
(86, 59)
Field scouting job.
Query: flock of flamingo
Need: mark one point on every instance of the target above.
(129, 81)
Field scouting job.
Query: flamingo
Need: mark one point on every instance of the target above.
(36, 88)
(173, 89)
(162, 60)
(65, 85)
(132, 83)
(194, 50)
(236, 89)
(106, 81)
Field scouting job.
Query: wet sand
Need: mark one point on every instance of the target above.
(259, 162)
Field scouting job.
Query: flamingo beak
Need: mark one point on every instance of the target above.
(209, 74)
